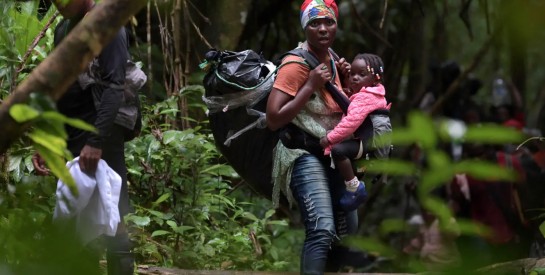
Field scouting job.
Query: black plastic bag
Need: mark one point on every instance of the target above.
(250, 154)
(234, 71)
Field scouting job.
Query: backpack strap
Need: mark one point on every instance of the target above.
(312, 61)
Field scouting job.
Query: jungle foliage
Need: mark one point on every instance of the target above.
(191, 209)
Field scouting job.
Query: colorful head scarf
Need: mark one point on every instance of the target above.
(313, 9)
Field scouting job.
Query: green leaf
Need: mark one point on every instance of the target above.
(434, 178)
(23, 113)
(162, 198)
(182, 228)
(156, 213)
(55, 144)
(172, 224)
(493, 134)
(140, 220)
(391, 226)
(14, 162)
(57, 166)
(485, 170)
(468, 227)
(438, 208)
(278, 222)
(269, 213)
(421, 125)
(438, 160)
(249, 216)
(159, 233)
(76, 123)
(52, 127)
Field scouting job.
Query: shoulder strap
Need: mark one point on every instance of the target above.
(312, 61)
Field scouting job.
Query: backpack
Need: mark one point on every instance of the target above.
(237, 85)
(129, 115)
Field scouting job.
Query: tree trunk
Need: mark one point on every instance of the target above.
(61, 68)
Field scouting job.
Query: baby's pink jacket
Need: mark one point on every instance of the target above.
(367, 100)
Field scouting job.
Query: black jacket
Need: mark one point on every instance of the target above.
(78, 103)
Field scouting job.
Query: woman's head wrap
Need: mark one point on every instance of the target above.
(314, 9)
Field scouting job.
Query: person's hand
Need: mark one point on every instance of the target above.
(88, 158)
(344, 67)
(324, 142)
(319, 76)
(39, 165)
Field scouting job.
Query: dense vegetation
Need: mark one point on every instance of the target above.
(191, 209)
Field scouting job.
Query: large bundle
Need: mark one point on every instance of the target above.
(237, 86)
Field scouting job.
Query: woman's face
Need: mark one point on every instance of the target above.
(359, 76)
(321, 33)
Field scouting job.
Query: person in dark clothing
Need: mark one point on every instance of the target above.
(108, 142)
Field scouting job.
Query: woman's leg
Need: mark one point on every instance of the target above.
(346, 224)
(311, 189)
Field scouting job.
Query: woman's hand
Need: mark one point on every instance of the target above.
(318, 77)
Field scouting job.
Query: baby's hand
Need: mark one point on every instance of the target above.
(343, 67)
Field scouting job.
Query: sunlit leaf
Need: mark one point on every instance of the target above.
(23, 113)
(438, 160)
(52, 127)
(493, 134)
(76, 123)
(422, 126)
(468, 227)
(53, 143)
(57, 166)
(438, 208)
(391, 226)
(432, 179)
(484, 170)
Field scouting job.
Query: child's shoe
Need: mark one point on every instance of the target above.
(352, 200)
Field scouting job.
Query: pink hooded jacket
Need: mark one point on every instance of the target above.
(367, 100)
